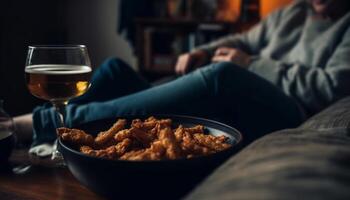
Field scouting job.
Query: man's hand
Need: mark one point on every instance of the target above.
(236, 56)
(189, 61)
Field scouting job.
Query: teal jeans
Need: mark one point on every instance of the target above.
(220, 91)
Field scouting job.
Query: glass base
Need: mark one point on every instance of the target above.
(56, 156)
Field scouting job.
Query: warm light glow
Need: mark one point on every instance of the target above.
(229, 10)
(82, 87)
(267, 6)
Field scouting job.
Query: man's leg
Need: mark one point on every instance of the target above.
(219, 91)
(250, 103)
(113, 79)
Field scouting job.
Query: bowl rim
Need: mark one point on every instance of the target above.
(237, 142)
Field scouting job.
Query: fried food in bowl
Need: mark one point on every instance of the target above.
(151, 139)
(161, 157)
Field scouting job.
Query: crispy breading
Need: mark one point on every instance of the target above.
(165, 122)
(86, 149)
(221, 138)
(137, 123)
(151, 118)
(195, 129)
(75, 136)
(121, 135)
(158, 148)
(155, 152)
(109, 153)
(168, 140)
(179, 133)
(150, 123)
(105, 145)
(123, 146)
(105, 136)
(134, 155)
(151, 139)
(211, 142)
(189, 146)
(142, 136)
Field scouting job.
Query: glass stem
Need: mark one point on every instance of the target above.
(60, 107)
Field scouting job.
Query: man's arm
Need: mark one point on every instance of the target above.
(251, 41)
(24, 127)
(313, 87)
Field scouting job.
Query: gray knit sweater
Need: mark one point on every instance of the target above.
(308, 58)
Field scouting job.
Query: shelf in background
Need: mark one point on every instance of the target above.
(159, 41)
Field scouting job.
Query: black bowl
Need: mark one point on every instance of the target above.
(166, 179)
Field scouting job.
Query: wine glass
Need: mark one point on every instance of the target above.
(58, 73)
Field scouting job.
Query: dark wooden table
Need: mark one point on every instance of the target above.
(41, 181)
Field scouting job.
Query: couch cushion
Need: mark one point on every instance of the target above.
(289, 164)
(335, 116)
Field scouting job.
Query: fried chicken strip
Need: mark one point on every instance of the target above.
(151, 139)
(111, 152)
(150, 123)
(123, 146)
(105, 136)
(179, 133)
(195, 129)
(191, 148)
(155, 152)
(123, 134)
(143, 137)
(168, 140)
(75, 136)
(212, 142)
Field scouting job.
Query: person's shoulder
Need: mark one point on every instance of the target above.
(346, 20)
(295, 7)
(346, 24)
(342, 25)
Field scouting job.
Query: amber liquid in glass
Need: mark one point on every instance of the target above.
(57, 82)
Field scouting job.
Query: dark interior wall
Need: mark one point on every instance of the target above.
(24, 23)
(95, 25)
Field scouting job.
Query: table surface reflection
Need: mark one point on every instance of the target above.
(39, 181)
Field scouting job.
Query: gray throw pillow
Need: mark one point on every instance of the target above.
(289, 164)
(335, 116)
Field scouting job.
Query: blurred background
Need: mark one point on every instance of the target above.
(147, 34)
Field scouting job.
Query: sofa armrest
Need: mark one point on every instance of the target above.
(335, 116)
(310, 162)
(289, 164)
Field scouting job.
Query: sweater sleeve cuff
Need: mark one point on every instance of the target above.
(266, 67)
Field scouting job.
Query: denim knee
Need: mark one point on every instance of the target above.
(114, 66)
(221, 69)
(218, 75)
